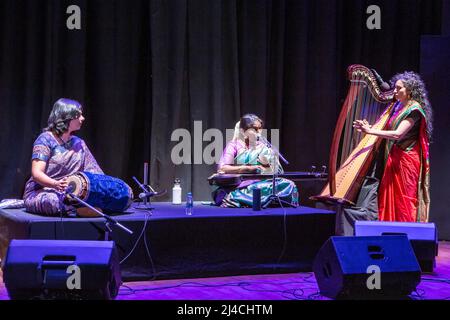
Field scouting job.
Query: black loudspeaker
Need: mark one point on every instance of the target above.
(61, 269)
(344, 268)
(423, 238)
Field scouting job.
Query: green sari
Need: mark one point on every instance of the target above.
(237, 153)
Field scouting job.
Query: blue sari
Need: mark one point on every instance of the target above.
(61, 160)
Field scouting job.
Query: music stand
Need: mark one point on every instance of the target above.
(274, 197)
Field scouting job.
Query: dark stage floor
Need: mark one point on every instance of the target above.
(215, 254)
(291, 286)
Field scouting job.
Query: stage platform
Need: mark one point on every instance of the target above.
(212, 242)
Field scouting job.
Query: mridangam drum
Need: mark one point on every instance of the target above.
(100, 191)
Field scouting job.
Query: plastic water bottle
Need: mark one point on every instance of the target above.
(189, 204)
(295, 197)
(176, 192)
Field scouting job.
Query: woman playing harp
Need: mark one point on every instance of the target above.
(403, 194)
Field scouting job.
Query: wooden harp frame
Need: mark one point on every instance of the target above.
(344, 184)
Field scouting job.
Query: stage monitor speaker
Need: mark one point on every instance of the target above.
(61, 269)
(423, 238)
(382, 267)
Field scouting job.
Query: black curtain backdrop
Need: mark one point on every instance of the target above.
(145, 68)
(435, 70)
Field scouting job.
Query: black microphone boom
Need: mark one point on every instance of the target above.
(108, 219)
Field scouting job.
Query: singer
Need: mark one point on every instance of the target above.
(245, 153)
(56, 154)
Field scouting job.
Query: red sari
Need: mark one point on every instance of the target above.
(404, 189)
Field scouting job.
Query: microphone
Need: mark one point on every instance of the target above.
(70, 187)
(144, 195)
(263, 140)
(383, 85)
(260, 137)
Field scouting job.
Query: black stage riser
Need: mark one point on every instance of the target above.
(212, 242)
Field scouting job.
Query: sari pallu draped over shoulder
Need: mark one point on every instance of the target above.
(404, 193)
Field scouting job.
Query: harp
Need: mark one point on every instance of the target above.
(353, 151)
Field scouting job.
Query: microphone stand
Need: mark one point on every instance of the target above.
(145, 190)
(108, 220)
(276, 153)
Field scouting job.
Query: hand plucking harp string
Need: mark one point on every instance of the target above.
(362, 126)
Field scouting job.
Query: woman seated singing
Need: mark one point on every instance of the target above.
(246, 154)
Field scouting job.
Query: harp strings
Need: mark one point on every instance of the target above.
(362, 105)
